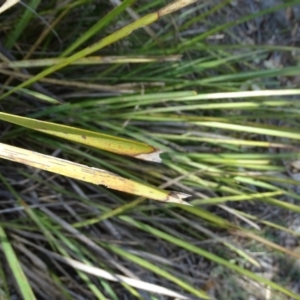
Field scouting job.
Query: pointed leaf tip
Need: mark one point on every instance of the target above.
(153, 156)
(177, 197)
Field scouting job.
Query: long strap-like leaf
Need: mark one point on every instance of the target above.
(88, 174)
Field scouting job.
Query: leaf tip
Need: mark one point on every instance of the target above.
(177, 197)
(153, 156)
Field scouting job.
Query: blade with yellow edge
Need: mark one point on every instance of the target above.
(94, 139)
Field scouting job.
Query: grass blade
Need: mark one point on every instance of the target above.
(94, 139)
(21, 279)
(88, 174)
(208, 255)
(97, 27)
(121, 33)
(25, 19)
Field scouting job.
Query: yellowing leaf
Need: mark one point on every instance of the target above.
(88, 174)
(98, 140)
